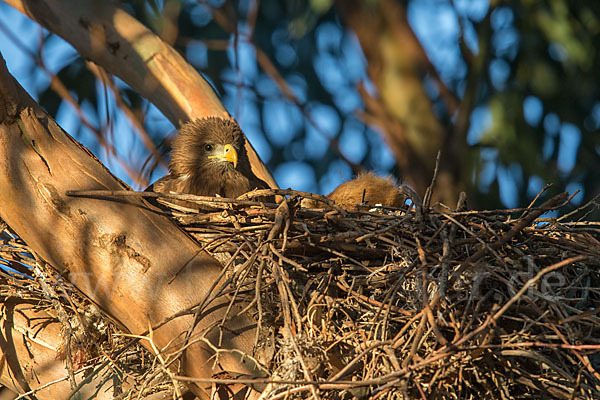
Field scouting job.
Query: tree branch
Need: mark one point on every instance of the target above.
(120, 44)
(33, 361)
(136, 265)
(402, 109)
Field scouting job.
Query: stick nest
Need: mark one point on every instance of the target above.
(388, 303)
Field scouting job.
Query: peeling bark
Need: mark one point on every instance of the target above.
(135, 264)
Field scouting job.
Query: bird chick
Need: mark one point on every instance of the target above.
(209, 159)
(366, 188)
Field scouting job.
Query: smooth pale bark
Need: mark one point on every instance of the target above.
(135, 264)
(402, 109)
(32, 356)
(116, 41)
(33, 360)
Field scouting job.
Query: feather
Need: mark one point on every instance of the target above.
(209, 159)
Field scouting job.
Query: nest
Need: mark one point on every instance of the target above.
(384, 303)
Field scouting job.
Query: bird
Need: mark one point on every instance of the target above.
(208, 158)
(367, 188)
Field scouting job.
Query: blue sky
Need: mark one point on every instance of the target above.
(436, 26)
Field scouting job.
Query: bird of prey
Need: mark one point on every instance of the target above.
(367, 188)
(208, 158)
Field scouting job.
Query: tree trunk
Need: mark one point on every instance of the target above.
(31, 343)
(401, 108)
(133, 263)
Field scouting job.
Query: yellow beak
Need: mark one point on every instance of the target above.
(229, 154)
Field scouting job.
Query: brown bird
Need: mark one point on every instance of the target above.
(367, 188)
(209, 159)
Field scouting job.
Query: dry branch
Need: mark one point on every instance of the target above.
(349, 303)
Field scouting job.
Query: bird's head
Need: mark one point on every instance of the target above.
(208, 145)
(221, 153)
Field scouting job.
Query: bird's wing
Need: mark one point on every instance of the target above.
(166, 184)
(257, 183)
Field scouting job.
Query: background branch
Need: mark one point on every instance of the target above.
(124, 47)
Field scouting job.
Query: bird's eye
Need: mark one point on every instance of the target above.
(208, 147)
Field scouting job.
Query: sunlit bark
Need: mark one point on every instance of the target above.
(135, 264)
(34, 356)
(124, 47)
